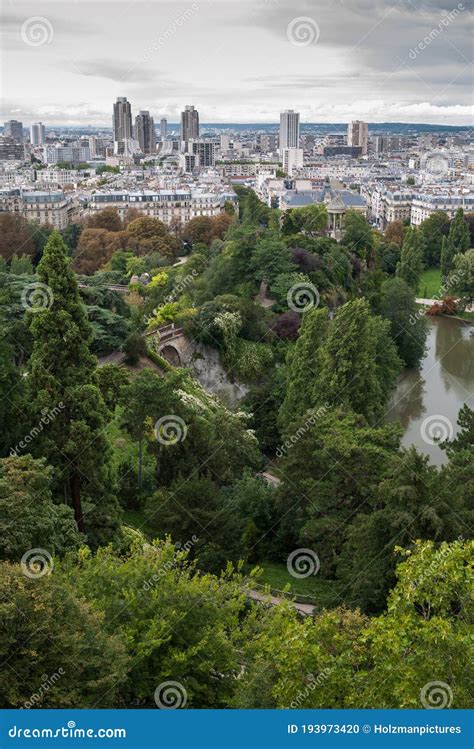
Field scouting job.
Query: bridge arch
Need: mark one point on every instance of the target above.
(171, 353)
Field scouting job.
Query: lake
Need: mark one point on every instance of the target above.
(427, 401)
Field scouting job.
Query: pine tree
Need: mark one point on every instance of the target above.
(63, 384)
(410, 266)
(447, 256)
(359, 362)
(459, 235)
(303, 367)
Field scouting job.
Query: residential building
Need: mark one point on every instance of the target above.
(164, 204)
(358, 135)
(52, 208)
(205, 150)
(163, 128)
(13, 129)
(66, 154)
(424, 205)
(145, 132)
(11, 151)
(289, 129)
(189, 124)
(37, 134)
(292, 159)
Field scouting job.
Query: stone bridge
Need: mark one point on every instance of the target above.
(172, 344)
(181, 350)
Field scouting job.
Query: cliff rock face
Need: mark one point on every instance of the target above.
(209, 372)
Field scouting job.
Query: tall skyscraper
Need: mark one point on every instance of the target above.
(37, 134)
(358, 135)
(145, 132)
(163, 127)
(13, 129)
(122, 122)
(289, 129)
(189, 124)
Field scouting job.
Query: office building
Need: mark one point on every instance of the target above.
(358, 135)
(163, 128)
(289, 129)
(145, 132)
(14, 130)
(37, 134)
(122, 122)
(189, 124)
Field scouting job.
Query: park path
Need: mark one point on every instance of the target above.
(307, 609)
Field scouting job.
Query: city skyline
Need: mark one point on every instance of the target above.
(374, 60)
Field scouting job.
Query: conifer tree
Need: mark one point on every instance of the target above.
(62, 383)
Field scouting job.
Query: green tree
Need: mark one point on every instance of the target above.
(425, 636)
(410, 266)
(192, 641)
(409, 507)
(28, 517)
(270, 258)
(62, 377)
(359, 361)
(447, 257)
(358, 236)
(461, 280)
(407, 327)
(433, 229)
(21, 265)
(459, 235)
(52, 636)
(303, 366)
(333, 465)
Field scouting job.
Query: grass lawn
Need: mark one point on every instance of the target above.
(322, 592)
(430, 283)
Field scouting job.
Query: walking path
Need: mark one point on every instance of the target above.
(307, 609)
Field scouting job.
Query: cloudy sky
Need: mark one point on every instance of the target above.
(65, 61)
